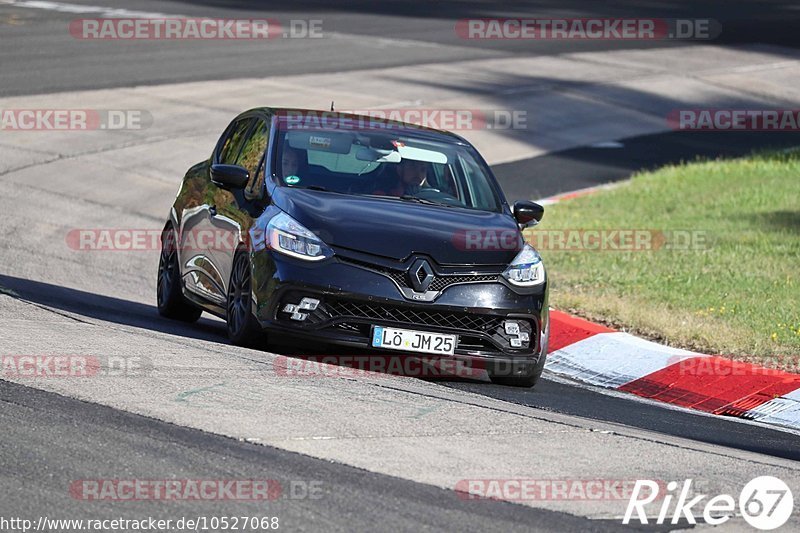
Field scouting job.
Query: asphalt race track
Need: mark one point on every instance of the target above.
(383, 452)
(42, 62)
(147, 447)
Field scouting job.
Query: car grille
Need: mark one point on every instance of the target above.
(475, 331)
(404, 315)
(442, 282)
(439, 283)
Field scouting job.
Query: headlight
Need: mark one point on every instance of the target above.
(287, 236)
(527, 269)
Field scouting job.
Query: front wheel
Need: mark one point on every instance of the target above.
(169, 296)
(243, 328)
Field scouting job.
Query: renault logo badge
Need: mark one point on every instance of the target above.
(420, 275)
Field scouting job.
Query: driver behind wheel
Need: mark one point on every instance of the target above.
(294, 164)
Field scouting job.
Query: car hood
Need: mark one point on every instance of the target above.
(397, 229)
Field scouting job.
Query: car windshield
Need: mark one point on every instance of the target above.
(385, 162)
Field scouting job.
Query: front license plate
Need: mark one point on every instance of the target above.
(414, 341)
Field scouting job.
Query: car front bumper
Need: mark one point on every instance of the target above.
(352, 299)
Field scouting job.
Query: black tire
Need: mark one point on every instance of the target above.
(518, 374)
(521, 374)
(169, 293)
(243, 328)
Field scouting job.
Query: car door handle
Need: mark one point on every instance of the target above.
(213, 210)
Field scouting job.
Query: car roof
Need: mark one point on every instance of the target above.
(397, 126)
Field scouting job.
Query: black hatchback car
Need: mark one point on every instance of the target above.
(359, 232)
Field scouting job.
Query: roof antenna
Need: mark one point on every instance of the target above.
(331, 105)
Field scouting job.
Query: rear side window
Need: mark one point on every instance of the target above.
(233, 143)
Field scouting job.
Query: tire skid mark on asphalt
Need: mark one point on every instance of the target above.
(191, 393)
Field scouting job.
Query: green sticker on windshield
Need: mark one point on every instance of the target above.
(292, 180)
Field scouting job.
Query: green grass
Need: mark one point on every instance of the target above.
(738, 295)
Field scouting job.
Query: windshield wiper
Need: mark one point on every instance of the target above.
(417, 199)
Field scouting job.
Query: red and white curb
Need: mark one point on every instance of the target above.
(603, 357)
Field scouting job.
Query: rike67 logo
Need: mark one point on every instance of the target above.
(765, 503)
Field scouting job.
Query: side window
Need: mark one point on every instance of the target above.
(445, 182)
(477, 185)
(254, 147)
(230, 147)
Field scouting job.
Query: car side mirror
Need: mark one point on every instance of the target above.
(229, 176)
(528, 213)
